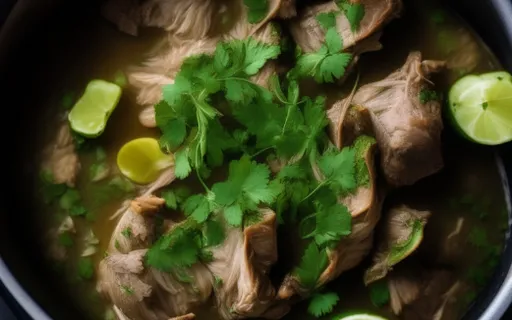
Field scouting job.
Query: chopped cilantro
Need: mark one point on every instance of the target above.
(127, 232)
(322, 303)
(332, 223)
(190, 96)
(175, 196)
(327, 19)
(178, 249)
(247, 187)
(126, 290)
(51, 191)
(258, 10)
(379, 293)
(328, 63)
(85, 269)
(65, 239)
(428, 95)
(338, 168)
(313, 263)
(353, 11)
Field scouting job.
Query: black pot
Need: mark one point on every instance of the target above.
(25, 58)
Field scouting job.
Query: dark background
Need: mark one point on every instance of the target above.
(10, 310)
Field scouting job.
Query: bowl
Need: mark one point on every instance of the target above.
(27, 51)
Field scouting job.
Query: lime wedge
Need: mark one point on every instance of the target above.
(359, 316)
(481, 107)
(90, 113)
(141, 160)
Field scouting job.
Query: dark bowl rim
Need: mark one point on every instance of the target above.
(32, 9)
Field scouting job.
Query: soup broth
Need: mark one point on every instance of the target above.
(466, 198)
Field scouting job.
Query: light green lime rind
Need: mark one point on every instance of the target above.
(90, 113)
(358, 316)
(141, 160)
(480, 107)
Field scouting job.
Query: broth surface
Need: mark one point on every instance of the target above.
(468, 188)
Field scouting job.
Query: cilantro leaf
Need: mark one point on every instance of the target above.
(127, 232)
(339, 169)
(353, 11)
(65, 239)
(379, 293)
(257, 54)
(182, 166)
(327, 19)
(247, 186)
(296, 180)
(85, 269)
(322, 303)
(174, 197)
(355, 14)
(213, 232)
(258, 10)
(313, 263)
(174, 133)
(178, 249)
(333, 41)
(334, 67)
(198, 207)
(327, 64)
(187, 109)
(219, 141)
(332, 223)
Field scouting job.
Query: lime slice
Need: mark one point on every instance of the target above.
(90, 113)
(141, 160)
(359, 316)
(481, 107)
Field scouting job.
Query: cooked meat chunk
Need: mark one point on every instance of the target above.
(60, 157)
(309, 34)
(122, 278)
(147, 117)
(418, 293)
(135, 227)
(178, 297)
(401, 234)
(408, 131)
(162, 67)
(364, 205)
(242, 263)
(147, 204)
(148, 293)
(184, 19)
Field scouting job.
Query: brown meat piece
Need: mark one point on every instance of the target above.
(309, 35)
(417, 293)
(134, 230)
(242, 263)
(400, 235)
(60, 157)
(184, 19)
(122, 279)
(408, 131)
(147, 204)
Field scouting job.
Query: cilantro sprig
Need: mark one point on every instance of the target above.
(328, 63)
(187, 116)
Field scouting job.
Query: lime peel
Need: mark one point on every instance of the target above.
(481, 107)
(91, 112)
(141, 160)
(359, 316)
